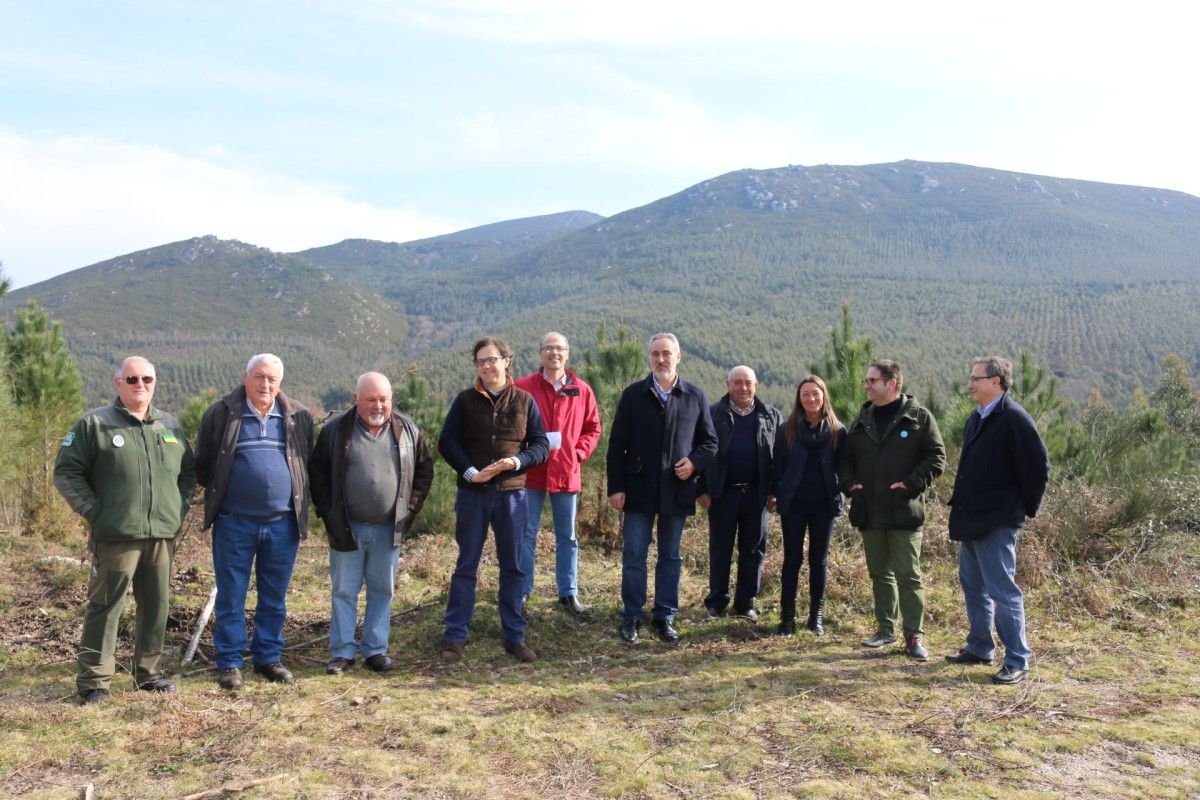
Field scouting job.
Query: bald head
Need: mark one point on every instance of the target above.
(373, 399)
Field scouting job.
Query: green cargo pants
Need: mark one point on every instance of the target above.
(147, 564)
(894, 563)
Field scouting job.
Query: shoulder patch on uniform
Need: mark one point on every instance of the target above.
(169, 438)
(69, 439)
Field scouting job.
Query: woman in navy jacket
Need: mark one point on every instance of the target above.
(806, 491)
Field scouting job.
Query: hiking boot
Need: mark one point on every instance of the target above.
(275, 673)
(913, 648)
(230, 679)
(93, 697)
(159, 684)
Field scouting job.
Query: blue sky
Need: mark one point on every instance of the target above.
(124, 125)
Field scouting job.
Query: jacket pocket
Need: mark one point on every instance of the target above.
(908, 512)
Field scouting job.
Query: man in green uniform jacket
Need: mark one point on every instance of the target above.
(128, 470)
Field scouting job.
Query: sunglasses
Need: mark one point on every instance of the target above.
(133, 379)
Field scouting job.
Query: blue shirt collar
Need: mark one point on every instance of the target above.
(983, 411)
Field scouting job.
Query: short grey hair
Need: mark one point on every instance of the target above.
(996, 367)
(265, 358)
(753, 377)
(363, 379)
(126, 360)
(566, 341)
(672, 337)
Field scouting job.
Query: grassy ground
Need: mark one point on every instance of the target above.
(1109, 710)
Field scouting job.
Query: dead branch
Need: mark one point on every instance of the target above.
(200, 625)
(232, 787)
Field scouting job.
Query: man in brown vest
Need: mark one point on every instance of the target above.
(492, 435)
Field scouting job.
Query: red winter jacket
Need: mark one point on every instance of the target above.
(573, 413)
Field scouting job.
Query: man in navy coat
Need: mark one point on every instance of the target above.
(1002, 475)
(662, 438)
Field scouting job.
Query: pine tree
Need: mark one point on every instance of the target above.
(846, 360)
(46, 385)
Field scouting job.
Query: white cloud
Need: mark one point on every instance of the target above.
(72, 201)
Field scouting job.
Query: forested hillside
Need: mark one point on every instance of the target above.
(939, 262)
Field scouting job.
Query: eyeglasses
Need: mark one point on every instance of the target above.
(554, 348)
(981, 378)
(489, 361)
(133, 379)
(873, 381)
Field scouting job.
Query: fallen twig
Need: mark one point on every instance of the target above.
(237, 786)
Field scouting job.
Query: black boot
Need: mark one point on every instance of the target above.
(787, 627)
(816, 617)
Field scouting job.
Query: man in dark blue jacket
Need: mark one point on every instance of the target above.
(736, 490)
(1002, 475)
(662, 438)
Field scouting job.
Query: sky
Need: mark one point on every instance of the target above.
(126, 125)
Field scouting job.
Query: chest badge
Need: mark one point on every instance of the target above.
(118, 441)
(903, 434)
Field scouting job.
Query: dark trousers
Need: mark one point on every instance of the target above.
(736, 515)
(818, 522)
(505, 513)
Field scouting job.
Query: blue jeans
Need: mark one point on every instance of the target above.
(566, 546)
(986, 569)
(373, 563)
(736, 516)
(505, 512)
(636, 532)
(239, 544)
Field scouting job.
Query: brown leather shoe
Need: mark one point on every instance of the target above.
(453, 651)
(521, 651)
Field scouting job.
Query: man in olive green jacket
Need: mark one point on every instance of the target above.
(893, 452)
(128, 470)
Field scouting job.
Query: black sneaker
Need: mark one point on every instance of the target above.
(159, 684)
(879, 640)
(749, 614)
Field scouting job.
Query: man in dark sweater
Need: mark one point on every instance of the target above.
(1002, 475)
(492, 435)
(662, 438)
(735, 489)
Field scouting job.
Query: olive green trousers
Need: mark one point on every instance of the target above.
(146, 565)
(894, 563)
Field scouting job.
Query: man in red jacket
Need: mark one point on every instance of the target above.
(568, 408)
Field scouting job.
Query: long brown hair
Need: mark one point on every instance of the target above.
(828, 418)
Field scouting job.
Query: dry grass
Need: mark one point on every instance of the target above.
(732, 712)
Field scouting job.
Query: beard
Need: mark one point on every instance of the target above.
(376, 419)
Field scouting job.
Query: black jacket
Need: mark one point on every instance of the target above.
(790, 463)
(646, 441)
(1002, 473)
(330, 460)
(216, 445)
(712, 480)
